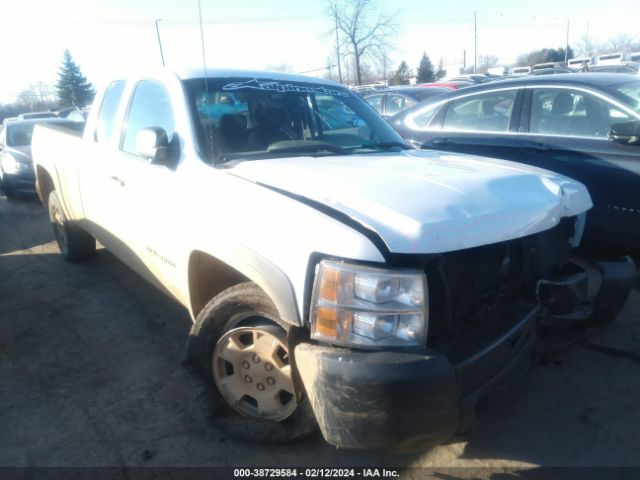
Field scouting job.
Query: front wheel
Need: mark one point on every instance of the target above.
(8, 189)
(75, 244)
(251, 370)
(237, 348)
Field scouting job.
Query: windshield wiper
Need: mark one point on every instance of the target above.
(390, 145)
(305, 146)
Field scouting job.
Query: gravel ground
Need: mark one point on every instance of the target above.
(91, 375)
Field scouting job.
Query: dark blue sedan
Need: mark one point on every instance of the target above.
(583, 125)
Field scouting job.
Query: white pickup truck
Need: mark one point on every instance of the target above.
(335, 276)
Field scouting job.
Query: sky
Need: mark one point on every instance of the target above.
(108, 38)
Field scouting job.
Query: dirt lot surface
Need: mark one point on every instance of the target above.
(91, 375)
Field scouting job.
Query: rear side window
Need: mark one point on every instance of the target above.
(573, 113)
(150, 107)
(397, 103)
(108, 110)
(489, 112)
(376, 102)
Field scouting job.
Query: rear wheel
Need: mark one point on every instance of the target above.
(241, 354)
(75, 244)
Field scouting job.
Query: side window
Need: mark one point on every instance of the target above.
(488, 112)
(376, 102)
(108, 110)
(421, 120)
(557, 111)
(335, 115)
(397, 103)
(150, 107)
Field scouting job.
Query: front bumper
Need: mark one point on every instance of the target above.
(23, 182)
(593, 294)
(409, 399)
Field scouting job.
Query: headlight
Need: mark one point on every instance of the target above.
(365, 306)
(11, 165)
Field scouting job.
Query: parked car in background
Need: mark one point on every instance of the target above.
(391, 101)
(474, 78)
(627, 67)
(360, 89)
(16, 167)
(554, 71)
(36, 115)
(450, 84)
(583, 125)
(517, 71)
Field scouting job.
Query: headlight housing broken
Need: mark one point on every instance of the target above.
(358, 305)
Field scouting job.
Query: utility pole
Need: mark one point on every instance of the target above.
(566, 45)
(338, 51)
(475, 41)
(159, 41)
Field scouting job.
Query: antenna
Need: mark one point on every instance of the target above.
(159, 41)
(566, 46)
(204, 56)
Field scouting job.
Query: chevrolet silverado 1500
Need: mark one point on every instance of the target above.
(333, 273)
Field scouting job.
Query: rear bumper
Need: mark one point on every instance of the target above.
(406, 400)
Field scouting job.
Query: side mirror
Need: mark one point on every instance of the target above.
(627, 133)
(152, 143)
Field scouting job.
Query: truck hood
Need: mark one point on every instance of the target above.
(421, 201)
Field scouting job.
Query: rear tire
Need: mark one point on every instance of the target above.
(233, 325)
(75, 244)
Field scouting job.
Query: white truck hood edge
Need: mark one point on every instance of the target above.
(428, 202)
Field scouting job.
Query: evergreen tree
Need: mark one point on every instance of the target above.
(425, 70)
(441, 71)
(402, 75)
(73, 88)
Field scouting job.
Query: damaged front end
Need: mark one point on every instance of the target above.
(489, 307)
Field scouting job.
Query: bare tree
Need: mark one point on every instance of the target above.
(37, 96)
(586, 47)
(485, 62)
(621, 43)
(384, 65)
(362, 35)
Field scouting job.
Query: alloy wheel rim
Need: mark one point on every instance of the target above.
(252, 372)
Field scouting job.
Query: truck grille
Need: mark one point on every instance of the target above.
(466, 286)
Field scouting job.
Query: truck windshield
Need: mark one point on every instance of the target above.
(250, 118)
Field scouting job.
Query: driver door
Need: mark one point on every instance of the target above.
(146, 191)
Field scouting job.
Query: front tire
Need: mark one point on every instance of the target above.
(75, 244)
(8, 189)
(241, 354)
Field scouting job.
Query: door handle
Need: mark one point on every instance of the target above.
(534, 147)
(440, 142)
(118, 180)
